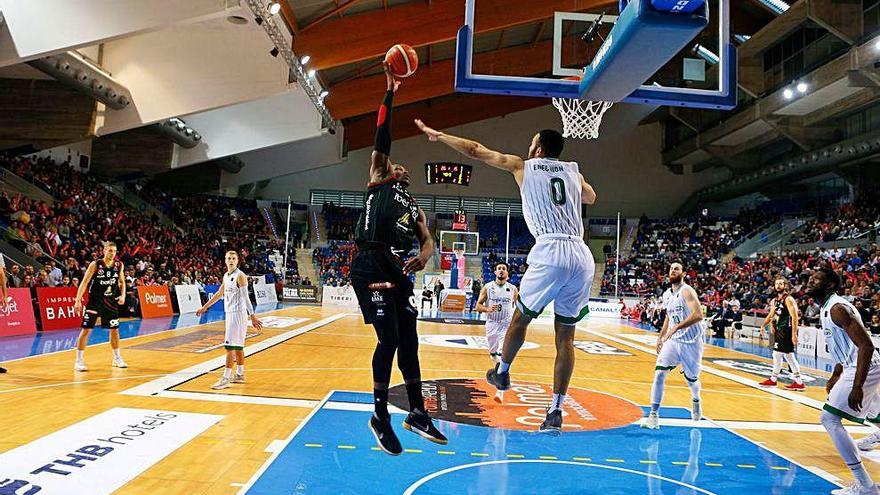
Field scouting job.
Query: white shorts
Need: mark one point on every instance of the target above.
(236, 330)
(561, 270)
(495, 332)
(688, 355)
(838, 399)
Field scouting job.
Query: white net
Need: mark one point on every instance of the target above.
(581, 118)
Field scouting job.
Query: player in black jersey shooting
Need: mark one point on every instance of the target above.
(391, 221)
(105, 282)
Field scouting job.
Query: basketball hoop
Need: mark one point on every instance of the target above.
(581, 118)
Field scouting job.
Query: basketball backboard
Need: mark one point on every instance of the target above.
(450, 241)
(529, 48)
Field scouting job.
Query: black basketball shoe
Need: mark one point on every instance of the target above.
(501, 381)
(553, 423)
(421, 424)
(385, 436)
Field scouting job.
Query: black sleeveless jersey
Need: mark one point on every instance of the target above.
(389, 217)
(104, 286)
(782, 318)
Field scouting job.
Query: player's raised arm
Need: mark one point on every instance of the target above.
(380, 167)
(588, 195)
(475, 150)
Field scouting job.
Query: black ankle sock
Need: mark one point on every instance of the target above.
(380, 401)
(414, 393)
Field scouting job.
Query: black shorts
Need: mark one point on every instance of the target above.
(109, 317)
(381, 287)
(782, 341)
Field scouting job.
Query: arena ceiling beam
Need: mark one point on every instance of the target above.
(353, 38)
(289, 17)
(441, 113)
(360, 96)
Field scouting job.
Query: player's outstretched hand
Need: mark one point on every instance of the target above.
(432, 134)
(414, 264)
(393, 82)
(201, 311)
(256, 322)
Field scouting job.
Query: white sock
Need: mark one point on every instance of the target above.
(227, 372)
(777, 365)
(80, 355)
(239, 369)
(862, 475)
(558, 399)
(846, 447)
(795, 367)
(116, 353)
(503, 367)
(657, 389)
(695, 389)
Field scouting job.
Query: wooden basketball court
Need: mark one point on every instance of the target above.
(292, 370)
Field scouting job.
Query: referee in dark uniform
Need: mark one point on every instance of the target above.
(389, 224)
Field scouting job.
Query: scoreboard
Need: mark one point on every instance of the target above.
(448, 173)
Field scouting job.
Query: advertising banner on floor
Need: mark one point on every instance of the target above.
(265, 294)
(188, 299)
(210, 290)
(340, 297)
(301, 293)
(155, 301)
(17, 318)
(56, 307)
(100, 454)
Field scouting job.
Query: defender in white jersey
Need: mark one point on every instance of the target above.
(238, 308)
(561, 266)
(680, 342)
(497, 300)
(854, 386)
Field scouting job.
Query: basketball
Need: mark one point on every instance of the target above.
(403, 60)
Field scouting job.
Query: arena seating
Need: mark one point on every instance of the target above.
(493, 230)
(85, 214)
(333, 262)
(849, 221)
(748, 283)
(340, 221)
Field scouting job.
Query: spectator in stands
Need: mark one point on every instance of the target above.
(54, 274)
(874, 325)
(14, 278)
(811, 314)
(864, 313)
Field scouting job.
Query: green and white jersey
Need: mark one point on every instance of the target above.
(551, 198)
(677, 310)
